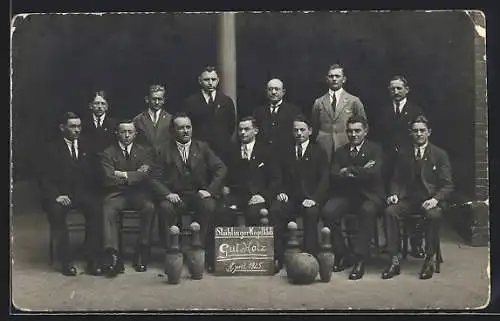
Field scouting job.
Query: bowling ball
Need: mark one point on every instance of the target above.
(304, 268)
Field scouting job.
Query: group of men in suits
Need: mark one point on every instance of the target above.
(277, 159)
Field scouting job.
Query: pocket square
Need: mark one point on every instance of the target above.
(434, 167)
(261, 164)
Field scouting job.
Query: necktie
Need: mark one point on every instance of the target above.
(334, 102)
(354, 152)
(299, 151)
(155, 118)
(245, 152)
(126, 153)
(210, 99)
(274, 109)
(419, 153)
(396, 110)
(73, 150)
(184, 153)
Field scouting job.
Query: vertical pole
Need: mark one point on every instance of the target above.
(227, 54)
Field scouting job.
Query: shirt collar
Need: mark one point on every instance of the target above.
(358, 148)
(277, 104)
(402, 102)
(422, 148)
(70, 142)
(129, 147)
(181, 145)
(98, 118)
(151, 112)
(336, 92)
(207, 95)
(249, 145)
(304, 146)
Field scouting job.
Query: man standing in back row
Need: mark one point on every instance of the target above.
(331, 111)
(213, 114)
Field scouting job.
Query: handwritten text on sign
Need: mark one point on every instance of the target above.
(244, 250)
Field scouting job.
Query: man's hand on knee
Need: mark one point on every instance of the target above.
(308, 203)
(64, 200)
(429, 204)
(173, 198)
(204, 193)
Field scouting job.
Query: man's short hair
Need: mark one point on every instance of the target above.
(249, 118)
(337, 66)
(357, 119)
(303, 119)
(101, 93)
(155, 88)
(68, 115)
(124, 121)
(400, 78)
(209, 69)
(178, 115)
(420, 119)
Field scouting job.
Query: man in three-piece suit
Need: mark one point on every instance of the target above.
(275, 119)
(153, 124)
(253, 177)
(66, 184)
(303, 190)
(331, 111)
(422, 183)
(357, 188)
(127, 167)
(98, 129)
(213, 114)
(393, 126)
(189, 176)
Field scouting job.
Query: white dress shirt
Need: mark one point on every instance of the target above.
(152, 115)
(184, 153)
(358, 148)
(69, 143)
(207, 95)
(422, 150)
(276, 107)
(337, 96)
(129, 147)
(249, 147)
(98, 120)
(401, 105)
(304, 146)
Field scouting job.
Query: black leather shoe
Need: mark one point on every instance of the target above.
(93, 268)
(357, 271)
(417, 251)
(341, 262)
(427, 269)
(141, 258)
(278, 265)
(391, 271)
(68, 270)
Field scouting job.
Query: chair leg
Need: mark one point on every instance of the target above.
(404, 236)
(51, 247)
(120, 229)
(439, 257)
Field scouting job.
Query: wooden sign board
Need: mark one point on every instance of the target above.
(244, 250)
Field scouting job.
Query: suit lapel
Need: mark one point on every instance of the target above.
(194, 154)
(327, 105)
(162, 121)
(148, 124)
(176, 155)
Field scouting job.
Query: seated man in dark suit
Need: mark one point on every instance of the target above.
(357, 188)
(127, 167)
(66, 184)
(303, 190)
(422, 183)
(253, 177)
(189, 176)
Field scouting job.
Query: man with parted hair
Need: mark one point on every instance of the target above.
(331, 111)
(66, 183)
(212, 112)
(153, 124)
(356, 187)
(127, 169)
(253, 176)
(422, 183)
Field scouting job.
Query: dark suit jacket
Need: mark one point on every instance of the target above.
(99, 138)
(262, 175)
(394, 131)
(282, 137)
(112, 159)
(366, 181)
(214, 124)
(436, 173)
(151, 135)
(206, 168)
(61, 175)
(307, 177)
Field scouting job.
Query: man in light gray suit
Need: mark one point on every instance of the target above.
(331, 111)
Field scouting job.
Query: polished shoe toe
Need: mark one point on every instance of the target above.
(427, 271)
(140, 268)
(357, 271)
(391, 271)
(69, 270)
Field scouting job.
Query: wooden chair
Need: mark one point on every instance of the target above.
(408, 227)
(350, 226)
